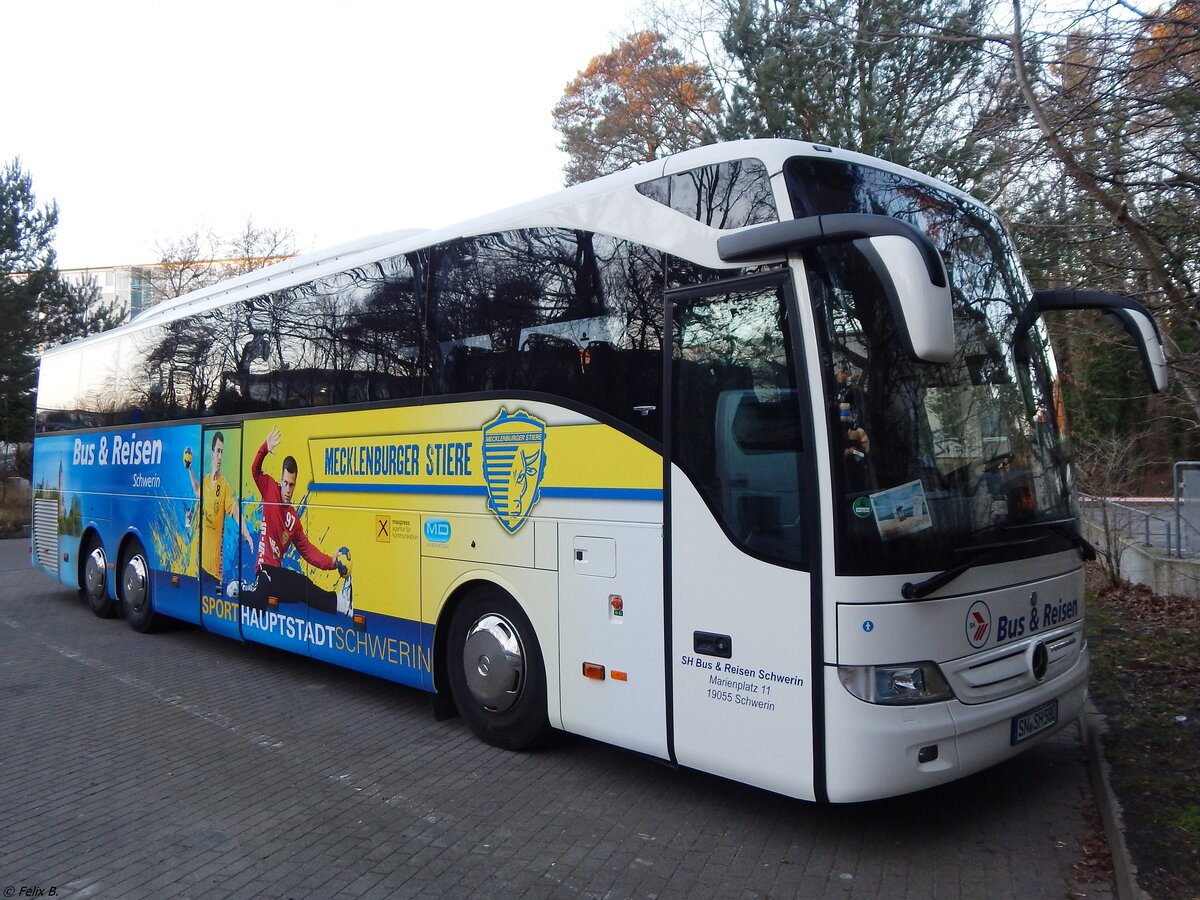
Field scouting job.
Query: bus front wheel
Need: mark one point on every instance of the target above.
(135, 589)
(496, 673)
(93, 584)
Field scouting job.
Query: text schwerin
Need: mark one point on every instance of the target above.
(736, 671)
(346, 640)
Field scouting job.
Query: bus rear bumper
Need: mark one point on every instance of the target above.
(881, 751)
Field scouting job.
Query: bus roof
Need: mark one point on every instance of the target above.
(581, 206)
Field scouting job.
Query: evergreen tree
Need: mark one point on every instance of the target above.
(904, 80)
(27, 269)
(68, 312)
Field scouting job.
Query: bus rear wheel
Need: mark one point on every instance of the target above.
(496, 673)
(93, 583)
(135, 590)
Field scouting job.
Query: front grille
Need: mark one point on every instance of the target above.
(1007, 670)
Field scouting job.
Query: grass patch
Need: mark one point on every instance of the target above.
(1145, 651)
(15, 509)
(1189, 823)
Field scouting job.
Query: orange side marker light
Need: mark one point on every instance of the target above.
(593, 670)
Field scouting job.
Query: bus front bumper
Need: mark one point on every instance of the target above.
(875, 751)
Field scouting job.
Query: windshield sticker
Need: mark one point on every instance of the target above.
(900, 511)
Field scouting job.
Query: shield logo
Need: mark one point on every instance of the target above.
(514, 459)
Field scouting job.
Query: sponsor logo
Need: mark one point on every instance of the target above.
(437, 531)
(514, 459)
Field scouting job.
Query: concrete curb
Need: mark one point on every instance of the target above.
(1094, 727)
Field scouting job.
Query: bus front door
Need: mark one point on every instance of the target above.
(222, 530)
(739, 553)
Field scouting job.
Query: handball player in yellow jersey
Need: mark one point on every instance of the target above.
(217, 500)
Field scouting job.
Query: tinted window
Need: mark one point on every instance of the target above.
(553, 310)
(736, 411)
(930, 461)
(58, 392)
(727, 195)
(351, 337)
(564, 312)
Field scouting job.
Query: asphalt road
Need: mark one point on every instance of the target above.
(186, 765)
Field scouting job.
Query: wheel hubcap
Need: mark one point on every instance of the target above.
(135, 583)
(94, 574)
(494, 663)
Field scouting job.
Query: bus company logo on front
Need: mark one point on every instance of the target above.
(979, 624)
(514, 458)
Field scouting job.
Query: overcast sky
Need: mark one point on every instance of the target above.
(147, 120)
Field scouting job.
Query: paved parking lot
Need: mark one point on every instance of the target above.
(186, 765)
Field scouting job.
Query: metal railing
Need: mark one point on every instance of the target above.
(1128, 517)
(1178, 501)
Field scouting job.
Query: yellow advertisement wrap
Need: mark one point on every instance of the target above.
(578, 460)
(341, 505)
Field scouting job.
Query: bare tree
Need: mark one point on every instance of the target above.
(255, 247)
(184, 265)
(201, 257)
(1105, 191)
(1107, 466)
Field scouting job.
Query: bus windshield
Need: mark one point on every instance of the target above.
(933, 465)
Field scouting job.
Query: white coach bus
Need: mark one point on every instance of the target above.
(749, 459)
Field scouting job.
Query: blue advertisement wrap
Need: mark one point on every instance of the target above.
(202, 505)
(121, 483)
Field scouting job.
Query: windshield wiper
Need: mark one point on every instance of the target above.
(921, 589)
(1062, 526)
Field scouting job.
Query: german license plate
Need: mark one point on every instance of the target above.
(1034, 722)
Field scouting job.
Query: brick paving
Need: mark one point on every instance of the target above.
(186, 765)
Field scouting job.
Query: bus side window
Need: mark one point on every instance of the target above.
(558, 311)
(736, 416)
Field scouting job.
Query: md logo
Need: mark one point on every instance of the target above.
(437, 531)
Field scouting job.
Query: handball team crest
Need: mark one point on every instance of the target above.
(514, 458)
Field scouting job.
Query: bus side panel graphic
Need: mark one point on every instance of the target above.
(335, 503)
(121, 482)
(335, 570)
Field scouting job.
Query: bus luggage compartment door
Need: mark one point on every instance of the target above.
(611, 627)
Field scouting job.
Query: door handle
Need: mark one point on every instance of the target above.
(705, 643)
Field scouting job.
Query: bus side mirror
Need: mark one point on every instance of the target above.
(1132, 316)
(902, 257)
(922, 307)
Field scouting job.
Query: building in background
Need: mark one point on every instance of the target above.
(138, 287)
(130, 286)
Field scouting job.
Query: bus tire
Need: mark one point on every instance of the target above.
(135, 589)
(93, 579)
(496, 673)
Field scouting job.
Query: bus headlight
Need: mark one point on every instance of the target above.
(919, 682)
